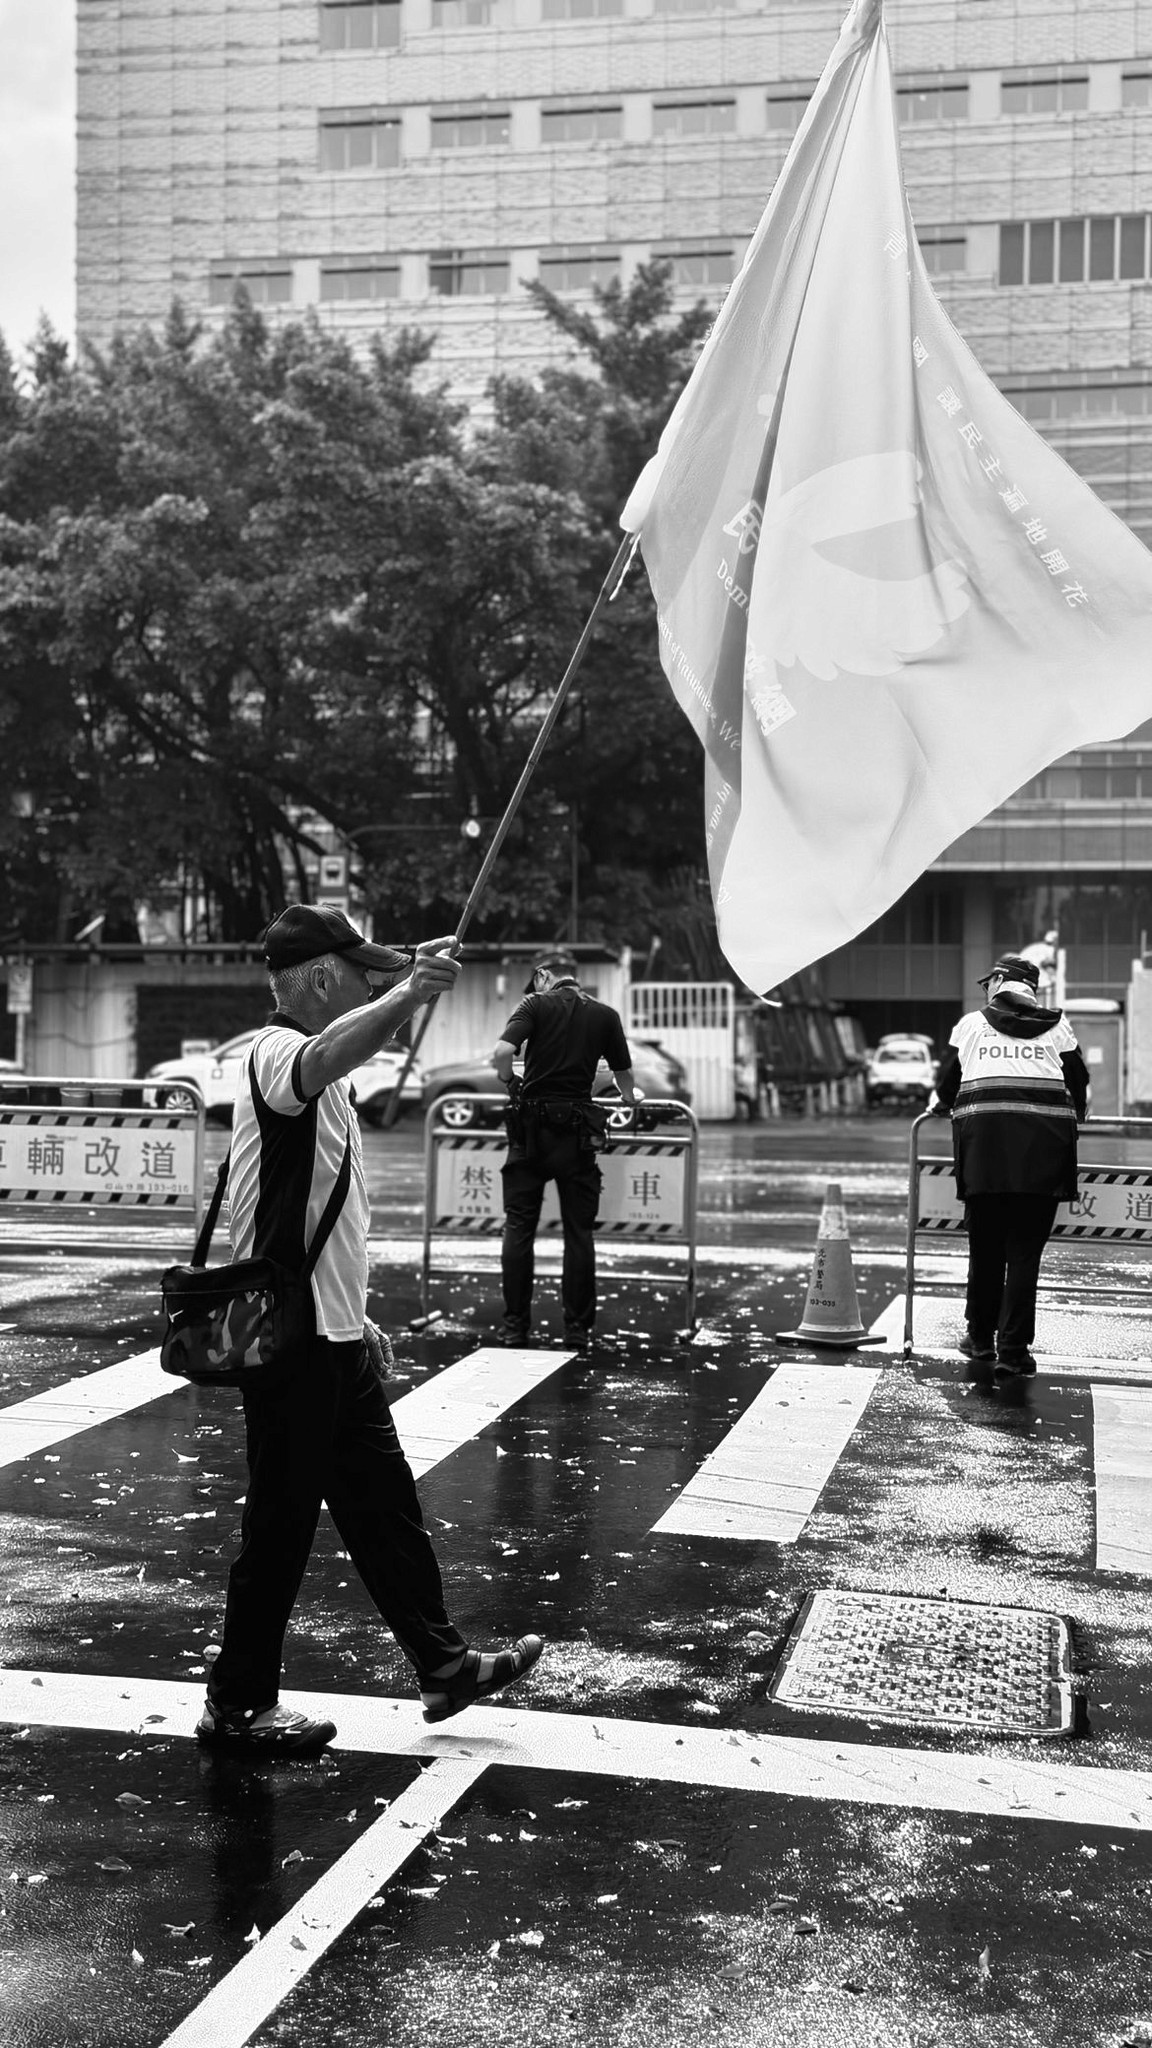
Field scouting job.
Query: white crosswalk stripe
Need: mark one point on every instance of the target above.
(1122, 1432)
(1025, 1788)
(250, 1993)
(434, 1419)
(761, 1484)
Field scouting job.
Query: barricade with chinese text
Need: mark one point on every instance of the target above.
(1114, 1204)
(90, 1145)
(649, 1185)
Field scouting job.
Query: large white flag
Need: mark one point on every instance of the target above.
(883, 601)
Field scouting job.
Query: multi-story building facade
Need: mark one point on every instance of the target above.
(416, 162)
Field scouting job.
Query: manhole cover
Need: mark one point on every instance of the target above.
(939, 1663)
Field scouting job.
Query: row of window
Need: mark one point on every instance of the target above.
(375, 24)
(1107, 248)
(1057, 89)
(1071, 782)
(466, 273)
(1060, 88)
(1126, 240)
(1103, 249)
(369, 138)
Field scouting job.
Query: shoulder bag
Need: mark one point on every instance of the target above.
(238, 1326)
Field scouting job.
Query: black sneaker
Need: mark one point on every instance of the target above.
(1015, 1365)
(977, 1350)
(511, 1339)
(276, 1732)
(577, 1339)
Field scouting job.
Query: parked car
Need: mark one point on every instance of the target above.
(216, 1074)
(374, 1083)
(656, 1072)
(901, 1071)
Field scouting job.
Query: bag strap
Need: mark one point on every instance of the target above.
(335, 1203)
(324, 1228)
(200, 1251)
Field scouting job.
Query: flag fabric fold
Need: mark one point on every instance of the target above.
(883, 601)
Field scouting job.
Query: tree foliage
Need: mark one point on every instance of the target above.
(250, 577)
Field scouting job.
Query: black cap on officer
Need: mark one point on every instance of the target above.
(557, 962)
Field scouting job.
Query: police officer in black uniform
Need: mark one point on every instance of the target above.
(554, 1133)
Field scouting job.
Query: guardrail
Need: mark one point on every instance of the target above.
(1114, 1204)
(74, 1143)
(648, 1191)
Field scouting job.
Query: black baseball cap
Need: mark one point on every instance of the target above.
(1013, 968)
(556, 960)
(306, 931)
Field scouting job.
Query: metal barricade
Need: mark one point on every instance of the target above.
(1114, 1205)
(80, 1145)
(648, 1191)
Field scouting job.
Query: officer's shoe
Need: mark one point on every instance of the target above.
(576, 1338)
(514, 1336)
(981, 1350)
(1015, 1365)
(277, 1732)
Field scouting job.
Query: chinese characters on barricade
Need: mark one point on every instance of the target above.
(643, 1189)
(84, 1164)
(1112, 1202)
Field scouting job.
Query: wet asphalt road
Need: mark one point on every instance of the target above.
(578, 1905)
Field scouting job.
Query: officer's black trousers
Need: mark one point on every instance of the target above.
(1006, 1239)
(325, 1432)
(555, 1155)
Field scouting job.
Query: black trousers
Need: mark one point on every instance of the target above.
(1006, 1239)
(551, 1155)
(325, 1434)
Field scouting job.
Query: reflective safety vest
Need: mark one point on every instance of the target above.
(1013, 1120)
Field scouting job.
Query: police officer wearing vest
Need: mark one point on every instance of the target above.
(1016, 1086)
(554, 1133)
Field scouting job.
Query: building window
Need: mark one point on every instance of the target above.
(703, 263)
(694, 117)
(1058, 90)
(359, 139)
(579, 10)
(1081, 395)
(1103, 250)
(463, 13)
(1136, 88)
(359, 24)
(690, 6)
(359, 277)
(944, 250)
(578, 267)
(787, 105)
(932, 98)
(566, 122)
(267, 284)
(468, 273)
(471, 127)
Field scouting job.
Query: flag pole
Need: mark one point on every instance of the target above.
(613, 582)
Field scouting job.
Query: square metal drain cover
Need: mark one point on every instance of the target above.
(935, 1663)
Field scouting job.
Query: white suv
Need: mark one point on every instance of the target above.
(901, 1070)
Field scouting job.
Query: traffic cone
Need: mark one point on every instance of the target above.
(831, 1313)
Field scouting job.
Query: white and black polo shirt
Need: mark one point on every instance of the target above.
(286, 1152)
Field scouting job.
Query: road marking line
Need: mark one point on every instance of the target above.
(52, 1417)
(1122, 1455)
(251, 1992)
(761, 1484)
(780, 1766)
(447, 1411)
(441, 1415)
